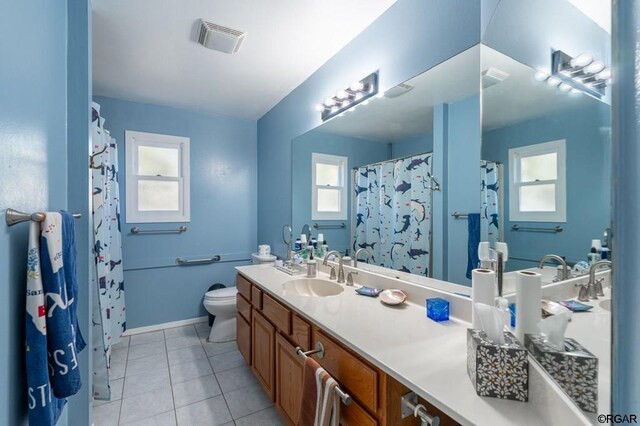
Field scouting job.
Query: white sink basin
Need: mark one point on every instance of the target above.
(312, 287)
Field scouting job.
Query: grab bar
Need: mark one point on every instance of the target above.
(186, 262)
(340, 226)
(14, 216)
(458, 215)
(180, 230)
(319, 351)
(554, 230)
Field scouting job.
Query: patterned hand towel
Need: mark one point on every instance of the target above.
(44, 408)
(320, 404)
(58, 252)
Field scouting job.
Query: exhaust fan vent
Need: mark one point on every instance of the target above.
(398, 90)
(492, 76)
(217, 37)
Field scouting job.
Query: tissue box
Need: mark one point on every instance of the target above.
(438, 309)
(576, 372)
(498, 371)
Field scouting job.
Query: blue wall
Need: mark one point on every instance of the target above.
(33, 164)
(223, 211)
(409, 38)
(412, 145)
(586, 131)
(358, 151)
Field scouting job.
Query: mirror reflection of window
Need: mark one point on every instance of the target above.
(329, 200)
(537, 186)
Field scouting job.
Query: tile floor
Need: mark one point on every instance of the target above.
(176, 377)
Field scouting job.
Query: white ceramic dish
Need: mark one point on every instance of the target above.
(392, 297)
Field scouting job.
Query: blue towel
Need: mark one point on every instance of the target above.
(473, 241)
(44, 408)
(64, 342)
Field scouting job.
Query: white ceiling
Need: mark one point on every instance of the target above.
(598, 11)
(144, 50)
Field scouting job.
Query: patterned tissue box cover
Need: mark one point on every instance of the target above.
(498, 371)
(575, 372)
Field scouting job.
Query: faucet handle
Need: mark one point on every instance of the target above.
(599, 290)
(350, 277)
(582, 295)
(332, 274)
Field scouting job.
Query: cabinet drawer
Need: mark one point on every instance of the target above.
(244, 286)
(277, 314)
(354, 415)
(256, 297)
(300, 332)
(353, 374)
(243, 338)
(243, 307)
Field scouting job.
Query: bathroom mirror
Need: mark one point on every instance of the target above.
(366, 179)
(546, 179)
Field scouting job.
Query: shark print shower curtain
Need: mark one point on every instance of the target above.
(490, 198)
(109, 308)
(392, 213)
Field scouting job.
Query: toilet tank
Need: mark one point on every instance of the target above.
(262, 258)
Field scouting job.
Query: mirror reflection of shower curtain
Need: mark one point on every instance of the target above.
(491, 207)
(107, 274)
(392, 213)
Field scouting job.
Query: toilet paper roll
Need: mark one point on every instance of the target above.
(528, 297)
(264, 249)
(483, 290)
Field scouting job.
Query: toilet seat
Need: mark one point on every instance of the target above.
(221, 294)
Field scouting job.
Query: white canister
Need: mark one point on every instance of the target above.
(264, 249)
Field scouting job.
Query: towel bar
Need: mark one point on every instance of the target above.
(340, 226)
(186, 262)
(14, 216)
(458, 215)
(180, 230)
(319, 350)
(555, 229)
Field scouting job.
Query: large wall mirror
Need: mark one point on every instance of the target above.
(382, 176)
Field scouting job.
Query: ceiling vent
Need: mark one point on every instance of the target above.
(398, 90)
(492, 76)
(217, 37)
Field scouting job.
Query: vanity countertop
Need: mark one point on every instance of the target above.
(429, 358)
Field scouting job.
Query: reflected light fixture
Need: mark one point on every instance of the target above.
(582, 73)
(358, 92)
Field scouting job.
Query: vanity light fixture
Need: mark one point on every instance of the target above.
(344, 99)
(581, 73)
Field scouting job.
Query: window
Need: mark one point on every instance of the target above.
(157, 171)
(328, 186)
(537, 187)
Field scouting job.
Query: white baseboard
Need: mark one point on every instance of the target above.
(165, 325)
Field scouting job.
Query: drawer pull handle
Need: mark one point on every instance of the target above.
(319, 352)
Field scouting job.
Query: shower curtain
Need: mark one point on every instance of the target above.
(392, 213)
(490, 212)
(107, 274)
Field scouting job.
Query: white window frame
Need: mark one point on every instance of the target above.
(135, 139)
(515, 154)
(342, 163)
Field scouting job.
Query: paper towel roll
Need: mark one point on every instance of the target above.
(483, 290)
(528, 297)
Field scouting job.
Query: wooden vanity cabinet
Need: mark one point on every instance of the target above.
(263, 354)
(289, 377)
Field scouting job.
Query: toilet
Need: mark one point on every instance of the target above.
(222, 304)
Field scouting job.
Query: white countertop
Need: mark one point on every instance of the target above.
(428, 357)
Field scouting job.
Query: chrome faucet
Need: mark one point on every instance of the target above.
(340, 266)
(355, 258)
(594, 288)
(561, 261)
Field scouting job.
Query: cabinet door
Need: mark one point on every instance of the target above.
(243, 337)
(289, 376)
(263, 350)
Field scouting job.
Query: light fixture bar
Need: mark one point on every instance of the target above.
(356, 93)
(576, 73)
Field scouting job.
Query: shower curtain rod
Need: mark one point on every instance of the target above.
(393, 159)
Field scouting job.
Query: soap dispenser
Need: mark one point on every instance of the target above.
(312, 266)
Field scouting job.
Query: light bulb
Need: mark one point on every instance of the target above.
(356, 86)
(319, 107)
(594, 67)
(540, 76)
(329, 102)
(605, 74)
(359, 96)
(553, 81)
(564, 87)
(581, 60)
(574, 91)
(341, 94)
